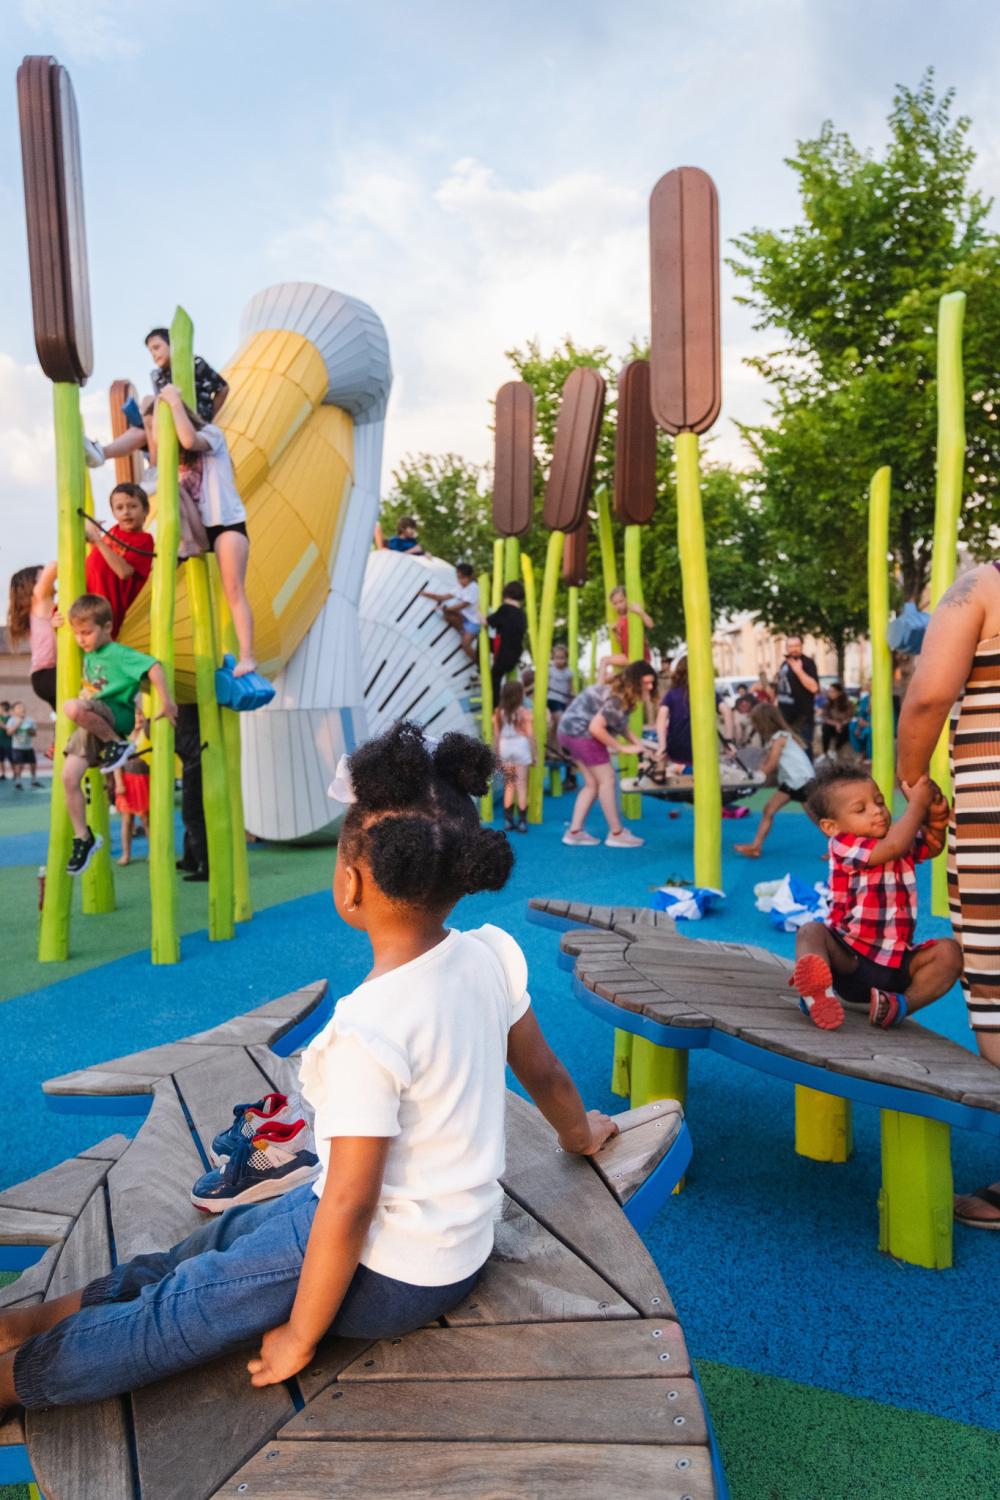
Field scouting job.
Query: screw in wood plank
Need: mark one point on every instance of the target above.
(657, 1333)
(671, 1395)
(274, 1453)
(655, 1301)
(678, 1421)
(369, 1363)
(241, 1489)
(664, 1355)
(336, 1395)
(603, 1305)
(683, 1463)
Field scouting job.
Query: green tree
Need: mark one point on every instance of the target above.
(854, 289)
(449, 499)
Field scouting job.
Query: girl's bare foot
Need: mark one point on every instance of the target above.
(244, 665)
(125, 860)
(749, 851)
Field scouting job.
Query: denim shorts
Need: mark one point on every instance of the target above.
(221, 1288)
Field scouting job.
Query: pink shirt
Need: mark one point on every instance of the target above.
(42, 639)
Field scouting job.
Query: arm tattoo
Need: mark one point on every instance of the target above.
(962, 589)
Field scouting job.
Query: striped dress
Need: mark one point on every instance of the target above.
(974, 837)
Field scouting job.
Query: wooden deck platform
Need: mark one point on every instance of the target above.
(563, 1374)
(674, 994)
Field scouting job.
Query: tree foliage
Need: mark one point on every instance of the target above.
(854, 288)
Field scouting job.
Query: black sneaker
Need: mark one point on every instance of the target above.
(83, 852)
(114, 754)
(522, 824)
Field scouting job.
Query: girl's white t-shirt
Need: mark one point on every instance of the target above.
(219, 500)
(419, 1055)
(795, 769)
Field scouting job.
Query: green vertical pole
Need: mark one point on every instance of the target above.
(632, 801)
(606, 541)
(546, 623)
(573, 635)
(947, 509)
(701, 672)
(496, 597)
(592, 668)
(530, 605)
(53, 936)
(486, 802)
(162, 875)
(883, 749)
(511, 559)
(97, 882)
(214, 789)
(225, 640)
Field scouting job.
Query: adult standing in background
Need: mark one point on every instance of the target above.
(960, 660)
(796, 687)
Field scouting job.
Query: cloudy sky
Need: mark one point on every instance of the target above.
(479, 174)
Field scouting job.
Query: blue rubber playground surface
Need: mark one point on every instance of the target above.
(820, 1357)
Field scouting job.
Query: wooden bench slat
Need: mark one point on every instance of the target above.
(78, 1452)
(107, 1150)
(553, 1410)
(627, 1159)
(282, 1071)
(643, 1347)
(563, 1192)
(31, 1285)
(267, 1022)
(150, 1185)
(63, 1189)
(29, 1226)
(489, 1471)
(210, 1088)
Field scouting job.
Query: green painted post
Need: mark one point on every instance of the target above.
(701, 671)
(53, 936)
(573, 634)
(915, 1203)
(511, 559)
(883, 737)
(486, 802)
(592, 668)
(496, 597)
(606, 541)
(621, 1064)
(546, 625)
(530, 605)
(947, 509)
(225, 640)
(656, 1073)
(632, 801)
(162, 875)
(214, 789)
(97, 883)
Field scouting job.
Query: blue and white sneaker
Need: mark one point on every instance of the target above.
(248, 1119)
(275, 1160)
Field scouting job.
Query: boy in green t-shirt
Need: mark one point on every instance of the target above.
(104, 713)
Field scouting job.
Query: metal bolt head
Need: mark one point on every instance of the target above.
(678, 1421)
(274, 1453)
(664, 1355)
(657, 1333)
(241, 1489)
(671, 1395)
(683, 1463)
(655, 1301)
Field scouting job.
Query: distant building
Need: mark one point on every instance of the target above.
(14, 684)
(743, 647)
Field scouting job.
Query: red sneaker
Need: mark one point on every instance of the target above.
(814, 982)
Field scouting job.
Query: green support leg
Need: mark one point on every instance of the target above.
(606, 542)
(882, 727)
(530, 605)
(632, 801)
(657, 1073)
(573, 634)
(546, 624)
(915, 1203)
(621, 1066)
(486, 803)
(166, 948)
(233, 748)
(511, 560)
(823, 1125)
(496, 595)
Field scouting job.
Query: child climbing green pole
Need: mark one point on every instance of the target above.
(162, 875)
(883, 738)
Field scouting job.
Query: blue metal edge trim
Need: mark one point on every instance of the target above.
(20, 1257)
(654, 1192)
(304, 1030)
(99, 1104)
(843, 1085)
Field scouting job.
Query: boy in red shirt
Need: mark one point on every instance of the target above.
(864, 953)
(120, 559)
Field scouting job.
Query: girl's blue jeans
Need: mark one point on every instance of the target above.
(222, 1287)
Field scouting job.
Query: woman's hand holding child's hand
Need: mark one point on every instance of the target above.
(281, 1356)
(601, 1127)
(921, 792)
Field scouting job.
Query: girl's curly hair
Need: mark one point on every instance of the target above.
(414, 822)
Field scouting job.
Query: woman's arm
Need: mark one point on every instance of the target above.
(187, 436)
(350, 1198)
(536, 1066)
(662, 720)
(942, 670)
(598, 730)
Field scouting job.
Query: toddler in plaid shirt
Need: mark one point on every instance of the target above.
(864, 952)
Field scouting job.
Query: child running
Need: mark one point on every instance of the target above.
(104, 713)
(785, 762)
(120, 560)
(31, 606)
(514, 744)
(407, 1081)
(864, 953)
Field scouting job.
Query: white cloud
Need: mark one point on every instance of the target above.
(89, 31)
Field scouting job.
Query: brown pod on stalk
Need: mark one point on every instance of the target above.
(685, 347)
(53, 201)
(514, 459)
(128, 468)
(574, 564)
(635, 447)
(577, 430)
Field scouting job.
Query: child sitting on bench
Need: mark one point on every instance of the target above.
(408, 1083)
(864, 952)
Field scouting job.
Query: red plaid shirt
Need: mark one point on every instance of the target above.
(874, 907)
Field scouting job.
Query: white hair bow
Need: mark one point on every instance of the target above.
(341, 788)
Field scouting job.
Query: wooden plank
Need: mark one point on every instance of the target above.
(486, 1471)
(150, 1185)
(27, 1226)
(635, 447)
(195, 1429)
(282, 1071)
(297, 1003)
(627, 1160)
(554, 1410)
(333, 1356)
(12, 1427)
(98, 1081)
(532, 1277)
(31, 1285)
(78, 1452)
(63, 1189)
(569, 1199)
(107, 1150)
(640, 1348)
(210, 1088)
(294, 1007)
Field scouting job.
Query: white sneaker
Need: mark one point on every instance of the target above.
(93, 453)
(624, 840)
(583, 837)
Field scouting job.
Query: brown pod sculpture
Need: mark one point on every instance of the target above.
(686, 388)
(514, 459)
(635, 447)
(574, 563)
(577, 430)
(53, 200)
